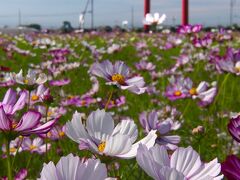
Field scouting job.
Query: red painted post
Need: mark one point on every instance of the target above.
(185, 12)
(146, 10)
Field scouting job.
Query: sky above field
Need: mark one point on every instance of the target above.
(51, 13)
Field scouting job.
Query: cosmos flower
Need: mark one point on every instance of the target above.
(230, 62)
(181, 87)
(234, 128)
(59, 54)
(151, 121)
(28, 124)
(231, 167)
(21, 175)
(155, 19)
(39, 94)
(73, 168)
(101, 137)
(61, 82)
(44, 43)
(31, 78)
(118, 74)
(10, 102)
(36, 145)
(177, 88)
(223, 35)
(6, 80)
(115, 102)
(144, 65)
(204, 42)
(188, 29)
(113, 48)
(78, 101)
(14, 146)
(203, 92)
(56, 133)
(53, 112)
(183, 164)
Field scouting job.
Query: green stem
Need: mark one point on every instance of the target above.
(220, 90)
(29, 160)
(186, 108)
(9, 167)
(29, 97)
(109, 99)
(20, 144)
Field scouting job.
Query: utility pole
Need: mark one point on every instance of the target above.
(146, 11)
(92, 14)
(232, 3)
(19, 18)
(132, 18)
(185, 12)
(174, 20)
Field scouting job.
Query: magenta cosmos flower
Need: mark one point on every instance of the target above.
(13, 102)
(28, 124)
(183, 164)
(230, 62)
(39, 94)
(151, 121)
(188, 29)
(234, 128)
(36, 145)
(231, 168)
(73, 168)
(61, 82)
(177, 88)
(118, 74)
(145, 65)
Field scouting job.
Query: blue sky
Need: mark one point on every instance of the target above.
(51, 13)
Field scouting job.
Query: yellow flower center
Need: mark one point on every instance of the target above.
(49, 113)
(70, 97)
(101, 146)
(83, 102)
(118, 78)
(14, 125)
(61, 133)
(49, 134)
(35, 97)
(32, 147)
(237, 69)
(193, 91)
(12, 150)
(25, 81)
(177, 93)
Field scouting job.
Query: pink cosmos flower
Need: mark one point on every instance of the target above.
(28, 124)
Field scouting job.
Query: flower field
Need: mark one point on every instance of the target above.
(120, 105)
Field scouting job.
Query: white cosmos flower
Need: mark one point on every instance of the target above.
(72, 168)
(154, 19)
(31, 78)
(183, 164)
(101, 137)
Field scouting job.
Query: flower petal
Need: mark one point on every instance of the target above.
(149, 141)
(186, 160)
(75, 129)
(29, 121)
(4, 120)
(100, 121)
(127, 127)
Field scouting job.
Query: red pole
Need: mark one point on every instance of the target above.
(146, 10)
(185, 12)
